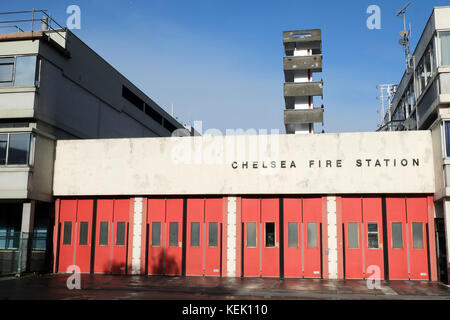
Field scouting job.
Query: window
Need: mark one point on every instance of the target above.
(173, 234)
(6, 71)
(18, 71)
(421, 76)
(104, 229)
(156, 234)
(397, 235)
(312, 234)
(353, 235)
(447, 139)
(444, 37)
(195, 234)
(213, 234)
(372, 235)
(292, 235)
(84, 226)
(19, 148)
(67, 233)
(15, 148)
(120, 234)
(270, 234)
(251, 234)
(3, 147)
(417, 235)
(25, 73)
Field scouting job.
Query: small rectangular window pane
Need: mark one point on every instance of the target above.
(397, 235)
(84, 227)
(104, 229)
(270, 234)
(445, 47)
(213, 234)
(3, 145)
(67, 233)
(312, 234)
(6, 69)
(156, 234)
(417, 233)
(120, 234)
(19, 148)
(195, 234)
(251, 234)
(353, 235)
(292, 235)
(447, 138)
(372, 235)
(173, 234)
(25, 71)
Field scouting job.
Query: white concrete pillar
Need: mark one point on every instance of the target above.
(302, 102)
(26, 228)
(137, 237)
(332, 238)
(447, 230)
(231, 237)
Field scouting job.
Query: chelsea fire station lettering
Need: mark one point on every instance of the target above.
(339, 163)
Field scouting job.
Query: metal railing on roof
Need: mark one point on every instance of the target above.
(40, 20)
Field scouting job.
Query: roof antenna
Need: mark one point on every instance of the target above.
(404, 37)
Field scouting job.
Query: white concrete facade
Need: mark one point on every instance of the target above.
(369, 162)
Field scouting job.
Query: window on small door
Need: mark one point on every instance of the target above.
(292, 235)
(251, 234)
(213, 234)
(372, 235)
(353, 235)
(270, 234)
(156, 234)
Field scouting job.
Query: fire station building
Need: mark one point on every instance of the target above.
(332, 206)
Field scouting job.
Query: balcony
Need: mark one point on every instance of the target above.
(303, 89)
(308, 39)
(300, 116)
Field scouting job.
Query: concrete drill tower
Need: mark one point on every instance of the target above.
(303, 49)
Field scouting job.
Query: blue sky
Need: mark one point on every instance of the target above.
(221, 61)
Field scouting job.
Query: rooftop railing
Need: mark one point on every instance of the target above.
(30, 21)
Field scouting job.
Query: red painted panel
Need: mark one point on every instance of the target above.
(251, 213)
(292, 256)
(398, 259)
(213, 213)
(352, 213)
(194, 251)
(373, 256)
(417, 211)
(119, 253)
(67, 213)
(102, 263)
(156, 212)
(83, 251)
(174, 214)
(312, 212)
(270, 255)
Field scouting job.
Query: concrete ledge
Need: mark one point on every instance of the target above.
(293, 63)
(303, 89)
(310, 39)
(295, 116)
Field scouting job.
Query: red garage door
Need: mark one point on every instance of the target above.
(165, 225)
(293, 267)
(362, 235)
(312, 231)
(67, 221)
(84, 235)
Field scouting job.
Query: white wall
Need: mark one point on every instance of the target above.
(203, 165)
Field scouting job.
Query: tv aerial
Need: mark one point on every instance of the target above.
(405, 34)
